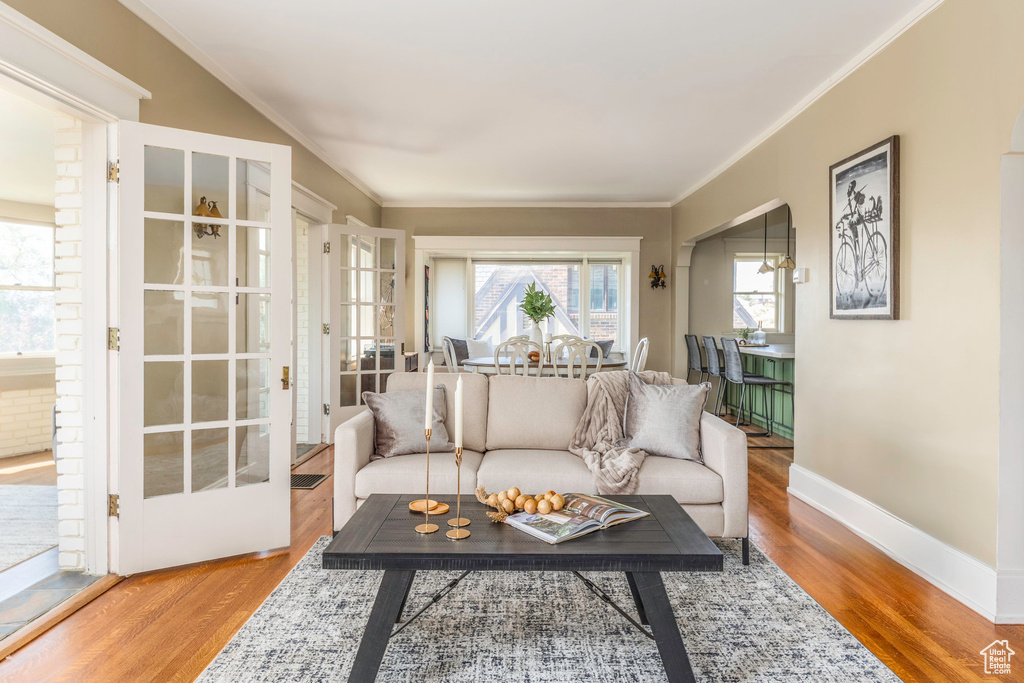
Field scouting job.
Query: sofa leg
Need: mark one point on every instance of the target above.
(746, 550)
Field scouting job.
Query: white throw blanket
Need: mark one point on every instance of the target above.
(598, 438)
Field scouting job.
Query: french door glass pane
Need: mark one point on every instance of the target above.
(386, 295)
(366, 286)
(348, 355)
(367, 255)
(209, 390)
(253, 265)
(366, 327)
(209, 459)
(252, 464)
(164, 180)
(209, 185)
(253, 323)
(210, 260)
(386, 321)
(210, 322)
(164, 252)
(163, 402)
(347, 324)
(349, 390)
(387, 253)
(163, 317)
(348, 285)
(163, 464)
(252, 178)
(386, 354)
(367, 383)
(252, 384)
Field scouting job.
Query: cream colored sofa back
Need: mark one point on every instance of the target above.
(474, 394)
(533, 412)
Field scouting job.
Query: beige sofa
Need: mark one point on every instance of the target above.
(516, 432)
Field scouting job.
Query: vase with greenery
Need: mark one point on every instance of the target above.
(537, 306)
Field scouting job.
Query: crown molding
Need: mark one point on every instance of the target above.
(485, 204)
(876, 46)
(164, 28)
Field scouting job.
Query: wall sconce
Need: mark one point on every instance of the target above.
(209, 210)
(657, 277)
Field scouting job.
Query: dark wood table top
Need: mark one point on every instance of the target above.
(488, 362)
(381, 536)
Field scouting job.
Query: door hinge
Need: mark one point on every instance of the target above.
(113, 505)
(112, 168)
(327, 409)
(113, 339)
(326, 328)
(327, 247)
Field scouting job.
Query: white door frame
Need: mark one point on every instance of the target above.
(48, 69)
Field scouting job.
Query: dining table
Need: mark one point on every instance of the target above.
(485, 365)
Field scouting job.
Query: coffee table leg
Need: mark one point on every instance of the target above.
(663, 624)
(386, 608)
(401, 607)
(636, 599)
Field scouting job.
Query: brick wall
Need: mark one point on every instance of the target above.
(302, 333)
(25, 420)
(69, 394)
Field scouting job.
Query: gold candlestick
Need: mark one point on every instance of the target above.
(458, 521)
(427, 527)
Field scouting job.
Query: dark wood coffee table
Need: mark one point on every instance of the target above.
(380, 536)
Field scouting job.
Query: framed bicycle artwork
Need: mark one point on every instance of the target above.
(864, 234)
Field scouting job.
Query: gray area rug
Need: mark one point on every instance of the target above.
(746, 624)
(28, 522)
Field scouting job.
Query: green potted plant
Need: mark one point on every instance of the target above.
(537, 306)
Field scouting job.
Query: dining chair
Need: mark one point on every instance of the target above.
(519, 337)
(734, 375)
(577, 351)
(559, 339)
(693, 361)
(516, 355)
(450, 360)
(639, 360)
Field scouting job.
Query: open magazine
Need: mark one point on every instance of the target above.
(580, 515)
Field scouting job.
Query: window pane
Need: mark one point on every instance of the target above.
(499, 291)
(27, 255)
(163, 464)
(747, 279)
(252, 464)
(26, 318)
(209, 459)
(165, 180)
(750, 309)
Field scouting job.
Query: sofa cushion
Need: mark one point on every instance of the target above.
(710, 518)
(534, 471)
(474, 394)
(407, 474)
(533, 412)
(398, 422)
(665, 419)
(685, 480)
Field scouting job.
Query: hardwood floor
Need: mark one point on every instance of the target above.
(168, 625)
(34, 469)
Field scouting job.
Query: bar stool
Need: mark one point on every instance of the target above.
(714, 369)
(734, 375)
(693, 363)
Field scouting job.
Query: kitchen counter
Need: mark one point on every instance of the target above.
(780, 351)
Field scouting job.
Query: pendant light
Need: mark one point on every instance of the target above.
(765, 266)
(788, 262)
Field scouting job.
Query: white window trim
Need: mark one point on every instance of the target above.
(627, 248)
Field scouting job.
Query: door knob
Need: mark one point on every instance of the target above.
(284, 378)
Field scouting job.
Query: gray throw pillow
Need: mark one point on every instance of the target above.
(664, 419)
(460, 348)
(606, 348)
(398, 423)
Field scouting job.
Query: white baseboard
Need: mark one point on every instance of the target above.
(970, 581)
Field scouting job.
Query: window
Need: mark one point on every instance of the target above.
(27, 289)
(756, 297)
(498, 290)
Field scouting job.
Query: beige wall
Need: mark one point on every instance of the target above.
(651, 224)
(903, 413)
(184, 94)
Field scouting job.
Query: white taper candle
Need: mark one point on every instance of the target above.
(458, 413)
(428, 417)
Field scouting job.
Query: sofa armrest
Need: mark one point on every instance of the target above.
(724, 448)
(353, 446)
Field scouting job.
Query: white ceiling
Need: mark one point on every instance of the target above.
(28, 170)
(577, 100)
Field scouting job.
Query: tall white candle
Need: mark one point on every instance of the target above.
(458, 413)
(428, 418)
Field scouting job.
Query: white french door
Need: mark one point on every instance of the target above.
(366, 269)
(205, 333)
